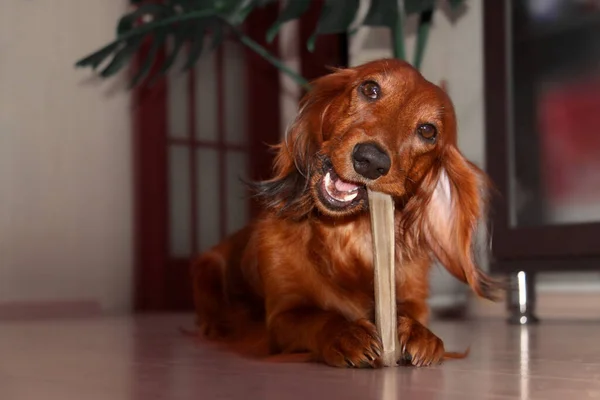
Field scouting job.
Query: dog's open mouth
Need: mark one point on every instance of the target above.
(337, 193)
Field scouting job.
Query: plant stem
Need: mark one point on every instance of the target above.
(398, 33)
(264, 53)
(422, 36)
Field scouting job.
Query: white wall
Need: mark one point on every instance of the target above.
(65, 158)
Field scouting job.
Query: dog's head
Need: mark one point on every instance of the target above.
(384, 127)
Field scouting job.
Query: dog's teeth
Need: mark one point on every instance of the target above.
(350, 196)
(333, 189)
(329, 185)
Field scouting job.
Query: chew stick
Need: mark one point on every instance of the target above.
(381, 209)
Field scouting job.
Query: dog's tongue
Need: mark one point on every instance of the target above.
(342, 186)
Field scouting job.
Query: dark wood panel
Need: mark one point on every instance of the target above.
(151, 190)
(263, 115)
(548, 241)
(495, 82)
(518, 242)
(178, 284)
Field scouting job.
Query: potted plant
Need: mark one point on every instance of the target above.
(187, 22)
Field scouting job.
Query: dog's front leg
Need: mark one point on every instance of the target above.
(328, 336)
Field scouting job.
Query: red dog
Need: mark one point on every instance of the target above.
(304, 268)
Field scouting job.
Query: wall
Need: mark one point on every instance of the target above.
(65, 158)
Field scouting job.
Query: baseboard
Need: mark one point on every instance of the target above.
(592, 286)
(549, 304)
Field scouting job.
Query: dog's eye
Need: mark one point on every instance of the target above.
(370, 90)
(427, 132)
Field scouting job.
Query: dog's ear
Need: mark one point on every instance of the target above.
(453, 213)
(288, 193)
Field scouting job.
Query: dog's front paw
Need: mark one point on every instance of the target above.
(351, 344)
(420, 347)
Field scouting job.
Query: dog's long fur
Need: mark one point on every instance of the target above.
(303, 270)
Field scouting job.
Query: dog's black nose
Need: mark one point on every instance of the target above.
(370, 161)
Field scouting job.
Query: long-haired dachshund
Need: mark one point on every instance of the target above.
(304, 268)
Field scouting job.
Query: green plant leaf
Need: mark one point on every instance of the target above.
(293, 10)
(197, 45)
(454, 4)
(397, 31)
(227, 7)
(382, 13)
(418, 6)
(179, 5)
(262, 3)
(184, 4)
(425, 20)
(336, 16)
(158, 41)
(187, 20)
(122, 56)
(170, 60)
(238, 15)
(179, 37)
(96, 58)
(145, 29)
(125, 46)
(217, 35)
(188, 5)
(127, 22)
(385, 12)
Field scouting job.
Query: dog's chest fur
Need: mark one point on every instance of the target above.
(347, 265)
(342, 254)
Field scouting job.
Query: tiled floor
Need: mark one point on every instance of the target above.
(146, 358)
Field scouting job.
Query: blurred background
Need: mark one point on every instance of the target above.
(106, 192)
